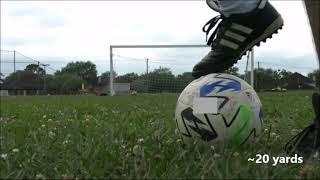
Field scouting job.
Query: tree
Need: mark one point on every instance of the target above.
(160, 80)
(266, 78)
(65, 83)
(49, 83)
(269, 78)
(129, 77)
(105, 77)
(35, 69)
(183, 80)
(315, 76)
(284, 77)
(23, 80)
(233, 71)
(1, 78)
(85, 70)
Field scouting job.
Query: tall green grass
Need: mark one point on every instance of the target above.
(134, 137)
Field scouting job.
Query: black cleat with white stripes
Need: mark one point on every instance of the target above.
(235, 35)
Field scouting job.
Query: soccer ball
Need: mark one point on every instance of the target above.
(232, 113)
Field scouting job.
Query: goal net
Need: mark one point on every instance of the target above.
(153, 68)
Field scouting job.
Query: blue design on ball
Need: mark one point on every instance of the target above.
(261, 113)
(231, 85)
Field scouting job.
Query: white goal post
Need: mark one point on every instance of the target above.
(111, 90)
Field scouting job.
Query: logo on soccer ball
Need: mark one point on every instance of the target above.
(221, 86)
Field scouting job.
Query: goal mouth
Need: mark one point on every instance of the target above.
(153, 68)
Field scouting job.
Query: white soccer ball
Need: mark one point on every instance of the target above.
(236, 116)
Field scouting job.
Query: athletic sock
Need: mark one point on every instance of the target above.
(228, 7)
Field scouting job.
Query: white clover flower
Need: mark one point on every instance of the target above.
(15, 150)
(40, 176)
(4, 156)
(212, 147)
(273, 134)
(64, 176)
(140, 140)
(136, 149)
(51, 134)
(49, 120)
(195, 142)
(65, 142)
(43, 125)
(216, 155)
(44, 116)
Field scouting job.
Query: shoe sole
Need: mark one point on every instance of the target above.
(267, 34)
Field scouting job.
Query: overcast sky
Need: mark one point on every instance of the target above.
(59, 32)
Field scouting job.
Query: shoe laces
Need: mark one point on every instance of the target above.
(214, 22)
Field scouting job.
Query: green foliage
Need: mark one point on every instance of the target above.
(233, 71)
(129, 77)
(183, 80)
(35, 69)
(105, 77)
(85, 70)
(161, 80)
(315, 75)
(23, 80)
(284, 77)
(269, 78)
(65, 83)
(133, 137)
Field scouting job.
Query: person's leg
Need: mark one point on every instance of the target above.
(242, 25)
(313, 12)
(228, 7)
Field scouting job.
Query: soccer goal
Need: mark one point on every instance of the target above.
(155, 68)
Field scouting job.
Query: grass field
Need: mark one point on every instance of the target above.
(134, 137)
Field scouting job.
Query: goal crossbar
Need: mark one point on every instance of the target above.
(158, 46)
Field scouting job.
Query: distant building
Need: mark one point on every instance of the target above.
(3, 92)
(119, 88)
(1, 78)
(298, 81)
(19, 88)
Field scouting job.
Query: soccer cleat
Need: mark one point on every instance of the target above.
(307, 143)
(235, 35)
